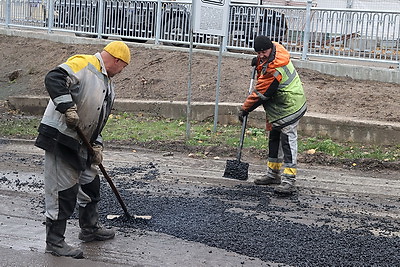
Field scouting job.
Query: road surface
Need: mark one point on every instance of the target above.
(199, 218)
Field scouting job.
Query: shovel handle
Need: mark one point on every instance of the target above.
(103, 170)
(244, 124)
(253, 74)
(239, 153)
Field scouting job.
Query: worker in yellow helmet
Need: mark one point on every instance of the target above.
(82, 95)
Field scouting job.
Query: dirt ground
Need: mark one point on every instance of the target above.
(163, 75)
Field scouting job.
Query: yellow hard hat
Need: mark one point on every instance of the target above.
(119, 50)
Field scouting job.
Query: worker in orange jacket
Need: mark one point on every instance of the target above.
(281, 93)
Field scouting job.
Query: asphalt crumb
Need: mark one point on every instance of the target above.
(236, 169)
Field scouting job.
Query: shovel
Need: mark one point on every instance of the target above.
(236, 169)
(110, 182)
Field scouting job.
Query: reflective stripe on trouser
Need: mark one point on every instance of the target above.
(61, 186)
(283, 148)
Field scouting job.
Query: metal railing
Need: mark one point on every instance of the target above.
(305, 31)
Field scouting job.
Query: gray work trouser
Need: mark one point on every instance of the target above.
(63, 187)
(283, 151)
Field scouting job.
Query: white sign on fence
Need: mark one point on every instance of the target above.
(211, 17)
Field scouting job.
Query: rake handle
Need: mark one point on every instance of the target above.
(103, 170)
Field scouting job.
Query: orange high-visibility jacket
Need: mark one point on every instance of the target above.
(288, 103)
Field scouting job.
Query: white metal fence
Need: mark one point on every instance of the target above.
(304, 30)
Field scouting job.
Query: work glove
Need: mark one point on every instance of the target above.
(71, 117)
(254, 61)
(97, 156)
(268, 126)
(242, 113)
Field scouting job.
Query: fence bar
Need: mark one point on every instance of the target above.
(158, 23)
(50, 21)
(100, 18)
(8, 12)
(306, 39)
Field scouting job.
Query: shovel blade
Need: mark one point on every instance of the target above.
(142, 217)
(236, 170)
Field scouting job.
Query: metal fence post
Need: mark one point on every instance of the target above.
(306, 37)
(225, 38)
(158, 22)
(224, 43)
(8, 13)
(189, 94)
(221, 41)
(100, 18)
(50, 21)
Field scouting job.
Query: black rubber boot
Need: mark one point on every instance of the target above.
(89, 215)
(90, 228)
(55, 243)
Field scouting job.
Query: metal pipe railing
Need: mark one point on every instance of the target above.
(304, 30)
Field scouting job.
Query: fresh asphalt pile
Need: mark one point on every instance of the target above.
(246, 219)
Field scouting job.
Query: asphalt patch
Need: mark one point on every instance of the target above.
(235, 219)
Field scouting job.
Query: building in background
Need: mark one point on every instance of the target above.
(388, 5)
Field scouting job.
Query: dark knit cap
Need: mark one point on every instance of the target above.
(262, 43)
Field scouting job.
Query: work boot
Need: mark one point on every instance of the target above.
(285, 189)
(55, 243)
(287, 186)
(90, 228)
(272, 177)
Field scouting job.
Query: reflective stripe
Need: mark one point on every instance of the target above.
(264, 69)
(94, 70)
(290, 75)
(274, 165)
(290, 171)
(289, 119)
(66, 67)
(261, 96)
(62, 99)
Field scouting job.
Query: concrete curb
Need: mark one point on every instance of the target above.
(344, 129)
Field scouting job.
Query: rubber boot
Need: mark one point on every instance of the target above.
(55, 243)
(90, 228)
(272, 177)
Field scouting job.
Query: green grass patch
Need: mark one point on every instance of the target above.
(349, 150)
(19, 127)
(129, 126)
